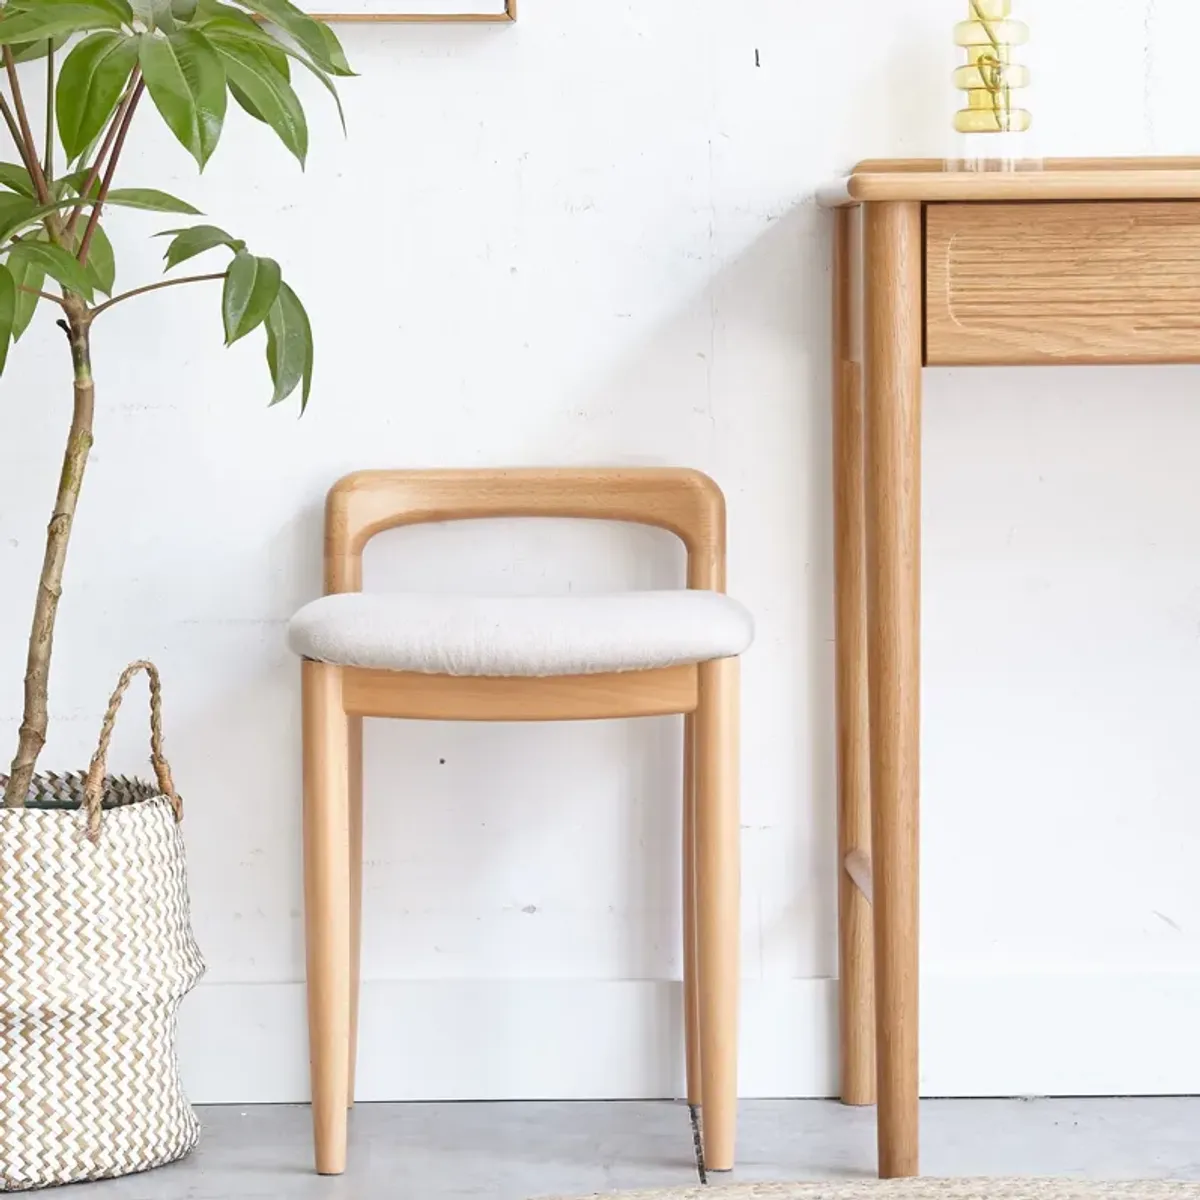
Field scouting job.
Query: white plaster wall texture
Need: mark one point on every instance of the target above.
(591, 238)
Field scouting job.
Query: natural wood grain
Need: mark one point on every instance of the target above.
(892, 253)
(855, 954)
(1063, 283)
(718, 849)
(327, 907)
(336, 699)
(354, 752)
(1086, 260)
(1059, 179)
(691, 976)
(685, 502)
(412, 696)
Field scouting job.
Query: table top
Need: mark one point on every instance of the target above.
(928, 179)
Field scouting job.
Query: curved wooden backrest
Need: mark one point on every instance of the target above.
(686, 502)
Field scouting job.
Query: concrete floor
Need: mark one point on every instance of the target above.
(522, 1151)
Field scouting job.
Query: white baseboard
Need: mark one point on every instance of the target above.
(1086, 1034)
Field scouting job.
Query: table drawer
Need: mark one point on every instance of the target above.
(1062, 283)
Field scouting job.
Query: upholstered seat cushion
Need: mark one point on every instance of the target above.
(519, 635)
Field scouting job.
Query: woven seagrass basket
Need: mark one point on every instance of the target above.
(96, 953)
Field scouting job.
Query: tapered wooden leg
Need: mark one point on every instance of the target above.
(691, 977)
(892, 255)
(355, 756)
(327, 907)
(855, 953)
(718, 865)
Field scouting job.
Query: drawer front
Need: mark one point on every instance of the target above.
(1107, 282)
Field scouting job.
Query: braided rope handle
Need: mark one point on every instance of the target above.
(93, 787)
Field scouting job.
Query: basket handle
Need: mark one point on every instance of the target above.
(93, 787)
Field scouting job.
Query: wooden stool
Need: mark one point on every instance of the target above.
(445, 658)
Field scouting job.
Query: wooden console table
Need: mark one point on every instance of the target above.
(1084, 261)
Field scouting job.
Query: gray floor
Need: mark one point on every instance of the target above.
(521, 1151)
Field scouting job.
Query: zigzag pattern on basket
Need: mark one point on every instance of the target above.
(65, 791)
(96, 953)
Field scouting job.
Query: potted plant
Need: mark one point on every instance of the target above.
(96, 949)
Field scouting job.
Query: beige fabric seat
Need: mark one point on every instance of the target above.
(522, 636)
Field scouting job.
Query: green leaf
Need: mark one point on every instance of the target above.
(56, 262)
(334, 55)
(160, 15)
(243, 34)
(118, 8)
(90, 85)
(121, 9)
(289, 347)
(183, 11)
(223, 32)
(205, 77)
(208, 10)
(316, 38)
(251, 285)
(152, 200)
(169, 90)
(101, 264)
(87, 155)
(328, 85)
(186, 81)
(8, 312)
(16, 211)
(32, 51)
(245, 103)
(156, 15)
(30, 280)
(53, 18)
(187, 243)
(16, 178)
(74, 182)
(264, 93)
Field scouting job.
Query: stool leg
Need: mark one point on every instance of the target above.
(691, 979)
(718, 864)
(355, 755)
(327, 907)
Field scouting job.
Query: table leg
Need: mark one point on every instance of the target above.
(893, 343)
(855, 953)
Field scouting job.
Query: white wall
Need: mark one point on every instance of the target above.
(591, 239)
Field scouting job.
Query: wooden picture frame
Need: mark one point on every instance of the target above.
(509, 14)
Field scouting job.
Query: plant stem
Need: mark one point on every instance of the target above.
(153, 287)
(109, 172)
(11, 122)
(48, 163)
(41, 638)
(44, 295)
(113, 126)
(14, 129)
(35, 168)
